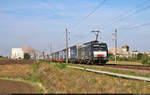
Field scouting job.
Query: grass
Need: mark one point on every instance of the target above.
(1, 58)
(124, 63)
(134, 73)
(17, 72)
(57, 78)
(76, 81)
(40, 61)
(38, 89)
(61, 66)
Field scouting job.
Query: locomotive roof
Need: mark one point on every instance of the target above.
(91, 42)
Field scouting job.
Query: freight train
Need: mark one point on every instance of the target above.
(91, 52)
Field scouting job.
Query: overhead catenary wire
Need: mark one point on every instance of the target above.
(137, 26)
(132, 12)
(92, 12)
(136, 12)
(138, 9)
(122, 15)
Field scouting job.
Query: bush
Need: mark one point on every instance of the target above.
(27, 56)
(139, 56)
(111, 57)
(148, 62)
(1, 57)
(144, 61)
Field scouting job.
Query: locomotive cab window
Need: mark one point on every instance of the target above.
(97, 47)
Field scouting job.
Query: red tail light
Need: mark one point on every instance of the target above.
(100, 55)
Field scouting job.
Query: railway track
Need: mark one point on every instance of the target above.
(132, 67)
(135, 67)
(128, 65)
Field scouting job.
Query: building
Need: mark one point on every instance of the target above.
(30, 51)
(112, 51)
(123, 52)
(17, 53)
(125, 48)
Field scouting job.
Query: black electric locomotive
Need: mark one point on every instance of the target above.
(88, 53)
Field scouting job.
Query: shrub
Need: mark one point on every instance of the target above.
(144, 61)
(148, 62)
(27, 56)
(139, 56)
(111, 57)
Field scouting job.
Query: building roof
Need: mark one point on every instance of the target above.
(125, 46)
(28, 49)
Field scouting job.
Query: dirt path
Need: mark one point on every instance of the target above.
(7, 86)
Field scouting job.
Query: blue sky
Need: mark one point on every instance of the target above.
(37, 23)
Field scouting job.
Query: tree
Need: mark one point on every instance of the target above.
(145, 59)
(27, 56)
(139, 56)
(111, 57)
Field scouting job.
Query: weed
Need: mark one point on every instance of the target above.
(56, 78)
(61, 65)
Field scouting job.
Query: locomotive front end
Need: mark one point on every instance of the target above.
(100, 53)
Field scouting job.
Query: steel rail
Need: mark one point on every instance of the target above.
(112, 74)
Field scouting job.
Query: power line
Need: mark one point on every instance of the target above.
(131, 13)
(137, 26)
(92, 12)
(136, 12)
(136, 7)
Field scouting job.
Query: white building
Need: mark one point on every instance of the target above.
(17, 53)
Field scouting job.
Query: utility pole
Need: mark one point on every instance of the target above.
(43, 54)
(50, 51)
(115, 45)
(66, 46)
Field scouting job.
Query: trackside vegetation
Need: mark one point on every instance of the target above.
(27, 56)
(141, 58)
(57, 78)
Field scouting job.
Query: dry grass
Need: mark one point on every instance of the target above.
(75, 81)
(124, 63)
(16, 70)
(59, 79)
